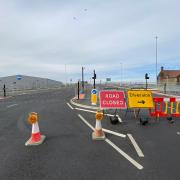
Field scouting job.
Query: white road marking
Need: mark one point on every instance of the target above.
(137, 148)
(69, 105)
(136, 164)
(86, 110)
(120, 120)
(12, 105)
(84, 106)
(85, 122)
(114, 133)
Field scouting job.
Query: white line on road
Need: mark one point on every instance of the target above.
(69, 105)
(137, 148)
(114, 133)
(120, 120)
(12, 105)
(80, 109)
(85, 122)
(105, 130)
(86, 110)
(136, 164)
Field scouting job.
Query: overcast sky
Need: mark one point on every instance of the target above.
(42, 37)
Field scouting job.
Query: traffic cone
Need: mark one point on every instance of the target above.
(98, 133)
(36, 137)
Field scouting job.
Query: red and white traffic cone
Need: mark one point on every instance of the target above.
(98, 133)
(36, 137)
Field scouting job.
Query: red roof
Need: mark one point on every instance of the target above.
(169, 73)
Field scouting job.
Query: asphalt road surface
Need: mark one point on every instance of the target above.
(69, 151)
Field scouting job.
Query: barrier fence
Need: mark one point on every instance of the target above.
(165, 107)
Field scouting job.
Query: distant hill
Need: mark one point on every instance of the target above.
(21, 82)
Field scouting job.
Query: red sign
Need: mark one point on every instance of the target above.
(112, 99)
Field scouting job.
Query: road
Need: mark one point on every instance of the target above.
(70, 153)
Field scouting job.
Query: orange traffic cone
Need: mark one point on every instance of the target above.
(36, 137)
(98, 133)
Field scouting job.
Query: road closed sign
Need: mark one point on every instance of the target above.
(140, 99)
(112, 99)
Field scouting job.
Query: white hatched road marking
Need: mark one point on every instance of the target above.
(114, 133)
(69, 105)
(137, 148)
(12, 105)
(111, 115)
(136, 164)
(89, 125)
(86, 110)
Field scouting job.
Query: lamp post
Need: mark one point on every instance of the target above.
(156, 62)
(65, 74)
(121, 72)
(83, 78)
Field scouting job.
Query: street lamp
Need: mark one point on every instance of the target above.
(83, 78)
(156, 63)
(65, 74)
(121, 72)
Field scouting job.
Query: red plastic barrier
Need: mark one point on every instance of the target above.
(160, 102)
(158, 108)
(177, 103)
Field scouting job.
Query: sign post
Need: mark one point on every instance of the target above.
(4, 89)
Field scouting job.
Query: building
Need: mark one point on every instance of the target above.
(169, 76)
(22, 82)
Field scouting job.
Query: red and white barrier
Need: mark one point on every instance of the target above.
(162, 106)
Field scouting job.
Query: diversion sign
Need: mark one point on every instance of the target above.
(112, 99)
(140, 99)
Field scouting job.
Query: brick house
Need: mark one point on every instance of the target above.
(169, 76)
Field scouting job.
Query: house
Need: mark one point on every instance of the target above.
(169, 76)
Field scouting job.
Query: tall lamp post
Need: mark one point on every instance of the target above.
(121, 72)
(65, 74)
(83, 78)
(156, 63)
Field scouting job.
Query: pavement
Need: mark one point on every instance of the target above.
(69, 151)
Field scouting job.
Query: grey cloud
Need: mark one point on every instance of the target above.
(45, 35)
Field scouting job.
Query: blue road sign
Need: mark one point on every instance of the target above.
(94, 91)
(18, 77)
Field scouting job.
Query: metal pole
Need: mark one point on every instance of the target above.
(156, 63)
(83, 78)
(4, 89)
(146, 84)
(78, 89)
(65, 75)
(121, 73)
(94, 81)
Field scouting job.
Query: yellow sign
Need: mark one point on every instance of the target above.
(140, 99)
(93, 99)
